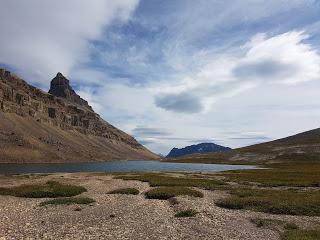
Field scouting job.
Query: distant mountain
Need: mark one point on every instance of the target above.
(303, 146)
(59, 126)
(198, 148)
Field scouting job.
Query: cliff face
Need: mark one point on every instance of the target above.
(60, 87)
(58, 126)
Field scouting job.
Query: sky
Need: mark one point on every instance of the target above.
(176, 72)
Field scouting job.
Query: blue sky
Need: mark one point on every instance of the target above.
(176, 72)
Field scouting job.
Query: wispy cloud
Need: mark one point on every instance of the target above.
(150, 132)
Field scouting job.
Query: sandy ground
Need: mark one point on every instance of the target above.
(128, 216)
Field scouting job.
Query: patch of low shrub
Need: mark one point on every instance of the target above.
(301, 235)
(68, 201)
(274, 201)
(292, 174)
(130, 191)
(170, 192)
(160, 180)
(51, 189)
(291, 226)
(186, 213)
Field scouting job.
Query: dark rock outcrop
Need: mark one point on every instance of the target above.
(61, 115)
(199, 148)
(60, 87)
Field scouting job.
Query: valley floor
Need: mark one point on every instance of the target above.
(120, 216)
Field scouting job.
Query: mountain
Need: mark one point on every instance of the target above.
(58, 126)
(198, 148)
(303, 146)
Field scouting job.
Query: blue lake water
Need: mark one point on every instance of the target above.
(118, 166)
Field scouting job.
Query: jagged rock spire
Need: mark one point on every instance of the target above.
(60, 87)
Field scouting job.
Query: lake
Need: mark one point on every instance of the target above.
(118, 166)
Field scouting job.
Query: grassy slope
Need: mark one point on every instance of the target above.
(302, 146)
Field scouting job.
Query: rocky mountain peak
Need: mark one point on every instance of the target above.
(60, 87)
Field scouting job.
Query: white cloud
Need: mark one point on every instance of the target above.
(284, 58)
(244, 96)
(40, 38)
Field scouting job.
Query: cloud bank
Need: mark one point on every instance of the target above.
(40, 38)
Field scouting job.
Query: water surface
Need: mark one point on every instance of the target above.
(118, 166)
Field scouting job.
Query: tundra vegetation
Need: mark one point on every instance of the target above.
(186, 213)
(50, 189)
(128, 191)
(160, 180)
(170, 192)
(69, 201)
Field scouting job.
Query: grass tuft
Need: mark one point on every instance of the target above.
(301, 235)
(68, 201)
(51, 189)
(170, 192)
(130, 191)
(266, 222)
(258, 222)
(291, 226)
(186, 213)
(274, 201)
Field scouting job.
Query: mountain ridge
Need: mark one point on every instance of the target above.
(58, 126)
(300, 146)
(196, 148)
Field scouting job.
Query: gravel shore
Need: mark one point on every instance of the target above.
(128, 216)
